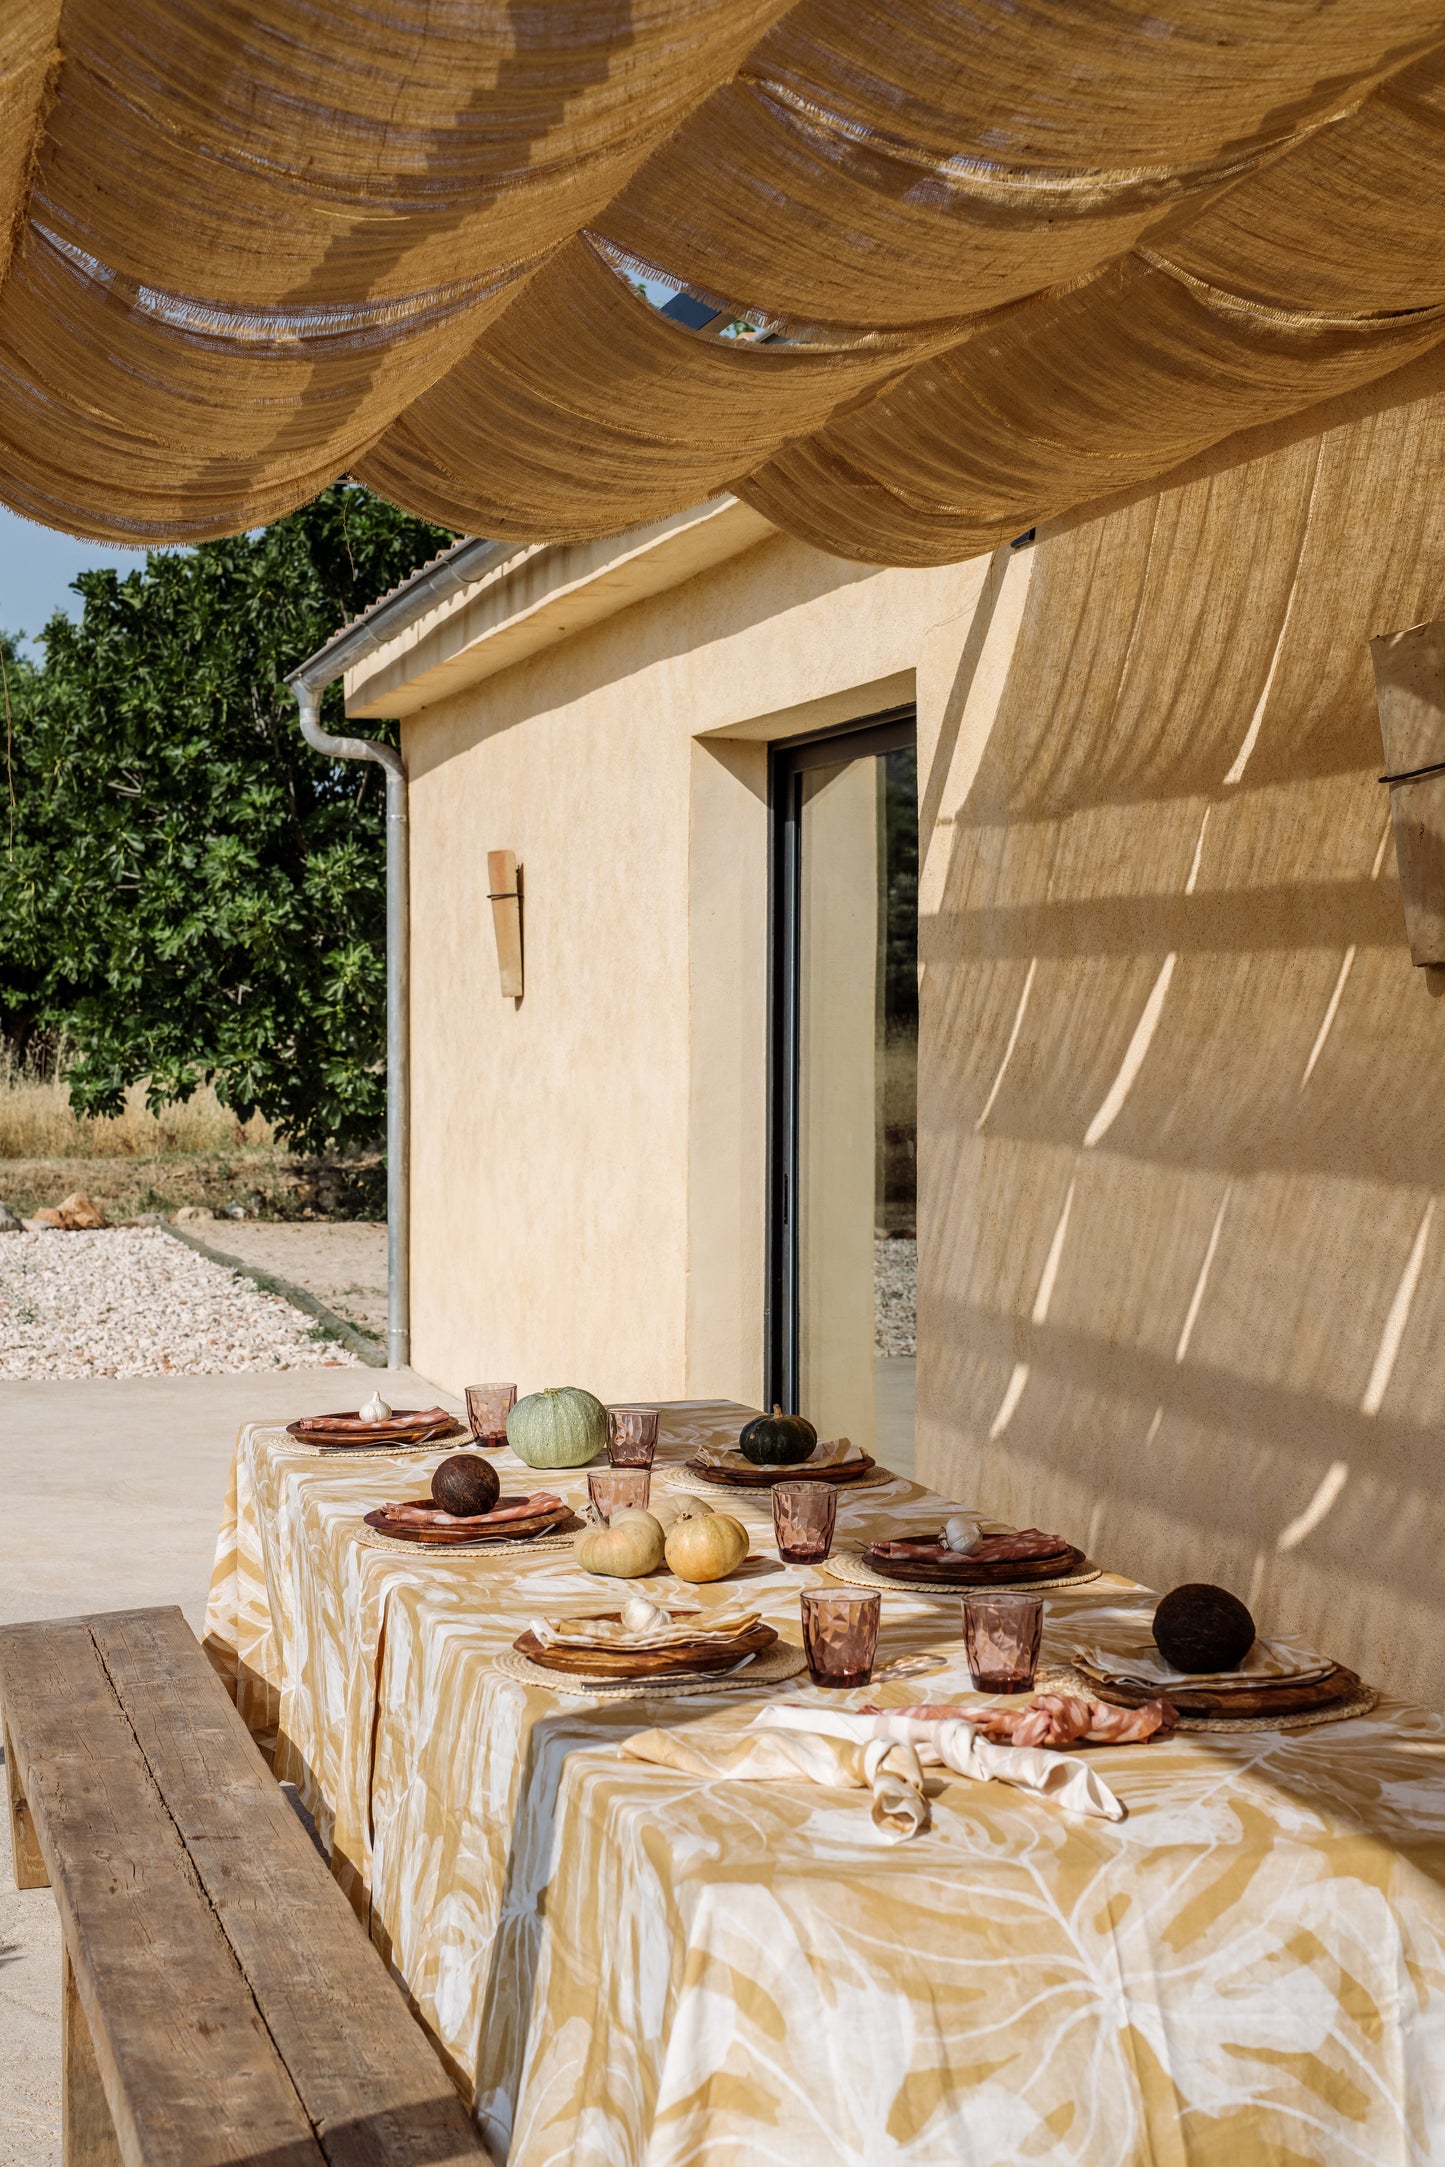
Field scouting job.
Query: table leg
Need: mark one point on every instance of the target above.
(25, 1845)
(87, 2132)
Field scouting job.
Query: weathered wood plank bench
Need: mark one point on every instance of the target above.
(221, 2004)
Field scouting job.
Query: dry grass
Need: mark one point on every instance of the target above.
(36, 1122)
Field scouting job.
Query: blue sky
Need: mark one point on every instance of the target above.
(36, 568)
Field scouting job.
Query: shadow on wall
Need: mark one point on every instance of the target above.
(1182, 1257)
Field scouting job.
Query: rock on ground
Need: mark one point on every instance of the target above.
(131, 1302)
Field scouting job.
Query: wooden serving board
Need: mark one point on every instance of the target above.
(684, 1660)
(762, 1478)
(1283, 1699)
(996, 1572)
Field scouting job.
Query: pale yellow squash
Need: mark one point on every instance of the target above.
(627, 1550)
(707, 1547)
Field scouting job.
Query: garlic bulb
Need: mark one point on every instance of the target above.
(963, 1532)
(376, 1409)
(641, 1616)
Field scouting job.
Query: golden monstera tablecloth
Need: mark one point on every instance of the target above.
(624, 1965)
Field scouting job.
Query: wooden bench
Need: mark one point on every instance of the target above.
(221, 2004)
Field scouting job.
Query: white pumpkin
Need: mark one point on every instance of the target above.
(630, 1548)
(706, 1547)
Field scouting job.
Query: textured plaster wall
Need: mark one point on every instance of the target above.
(588, 1164)
(1182, 1251)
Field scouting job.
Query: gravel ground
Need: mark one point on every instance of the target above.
(133, 1303)
(341, 1261)
(895, 1294)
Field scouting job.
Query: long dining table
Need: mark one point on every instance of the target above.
(627, 1966)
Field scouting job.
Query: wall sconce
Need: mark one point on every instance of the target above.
(504, 893)
(1410, 696)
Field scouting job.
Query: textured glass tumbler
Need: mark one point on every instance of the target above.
(1001, 1640)
(631, 1436)
(612, 1489)
(840, 1636)
(488, 1406)
(803, 1517)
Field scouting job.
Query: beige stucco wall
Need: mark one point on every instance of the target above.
(1182, 1139)
(588, 1164)
(1183, 1133)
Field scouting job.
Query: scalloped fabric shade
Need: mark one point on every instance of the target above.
(973, 266)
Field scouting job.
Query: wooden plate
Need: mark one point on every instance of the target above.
(697, 1658)
(420, 1519)
(747, 1477)
(407, 1426)
(1283, 1699)
(967, 1574)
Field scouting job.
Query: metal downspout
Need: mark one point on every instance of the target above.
(398, 1000)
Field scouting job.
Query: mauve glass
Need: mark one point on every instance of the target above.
(631, 1436)
(612, 1489)
(488, 1406)
(1001, 1639)
(803, 1517)
(840, 1636)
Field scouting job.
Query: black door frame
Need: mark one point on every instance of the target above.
(788, 761)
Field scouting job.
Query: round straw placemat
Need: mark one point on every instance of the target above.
(1063, 1678)
(784, 1661)
(850, 1565)
(562, 1538)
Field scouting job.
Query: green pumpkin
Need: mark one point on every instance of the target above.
(777, 1440)
(562, 1428)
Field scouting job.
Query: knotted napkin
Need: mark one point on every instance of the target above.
(883, 1754)
(891, 1772)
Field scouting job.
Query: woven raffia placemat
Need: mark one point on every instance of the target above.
(1063, 1678)
(561, 1538)
(850, 1565)
(784, 1661)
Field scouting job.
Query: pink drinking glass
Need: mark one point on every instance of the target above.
(803, 1518)
(840, 1636)
(612, 1489)
(631, 1436)
(1001, 1639)
(488, 1406)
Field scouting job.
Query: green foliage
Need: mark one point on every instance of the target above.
(187, 892)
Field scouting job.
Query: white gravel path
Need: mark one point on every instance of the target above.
(131, 1302)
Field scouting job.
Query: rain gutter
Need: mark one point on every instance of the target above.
(459, 568)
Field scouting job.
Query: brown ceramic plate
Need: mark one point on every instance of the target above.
(1282, 1699)
(512, 1519)
(697, 1658)
(967, 1573)
(740, 1474)
(405, 1426)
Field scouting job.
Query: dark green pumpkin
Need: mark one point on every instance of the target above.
(777, 1440)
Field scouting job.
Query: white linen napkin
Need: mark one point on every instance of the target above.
(889, 1771)
(1135, 1661)
(642, 1625)
(956, 1745)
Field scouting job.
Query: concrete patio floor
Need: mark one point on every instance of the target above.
(110, 1495)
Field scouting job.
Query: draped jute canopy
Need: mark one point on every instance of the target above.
(976, 263)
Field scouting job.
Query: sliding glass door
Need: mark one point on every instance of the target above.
(844, 1095)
